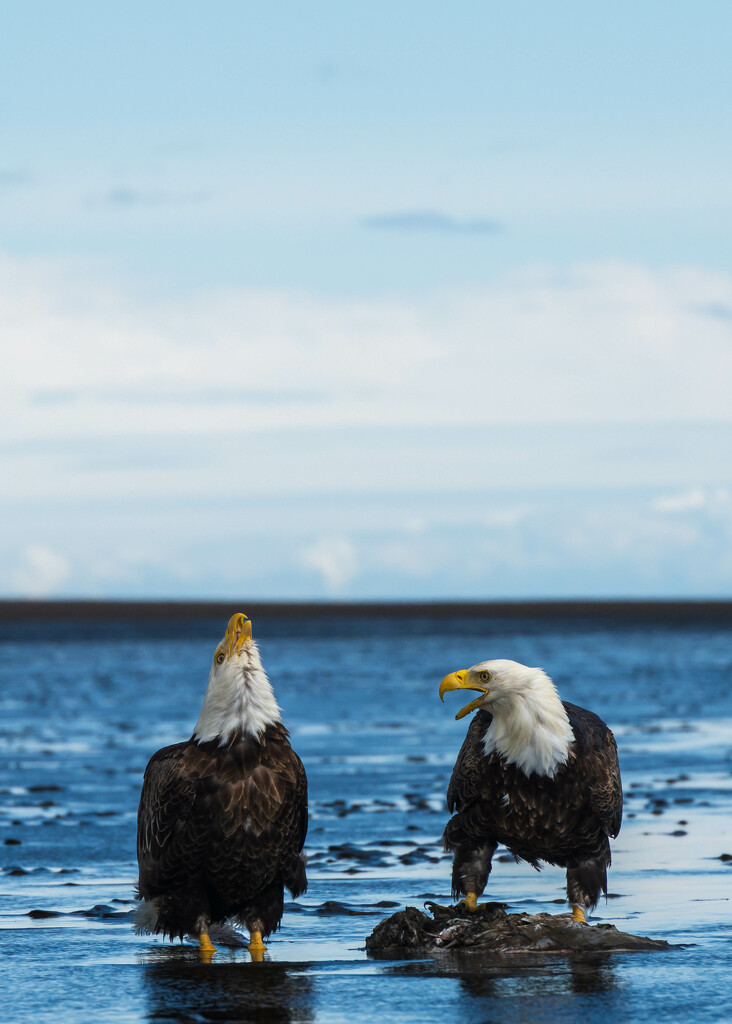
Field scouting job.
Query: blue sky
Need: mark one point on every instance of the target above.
(407, 300)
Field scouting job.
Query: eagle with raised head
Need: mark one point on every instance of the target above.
(223, 816)
(538, 775)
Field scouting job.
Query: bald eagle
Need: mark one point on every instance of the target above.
(535, 773)
(223, 815)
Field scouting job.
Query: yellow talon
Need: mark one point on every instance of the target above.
(470, 902)
(256, 947)
(578, 914)
(205, 947)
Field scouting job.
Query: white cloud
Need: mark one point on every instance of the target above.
(334, 559)
(685, 501)
(409, 557)
(607, 342)
(602, 541)
(41, 572)
(504, 517)
(396, 423)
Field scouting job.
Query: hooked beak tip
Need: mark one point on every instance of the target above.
(238, 632)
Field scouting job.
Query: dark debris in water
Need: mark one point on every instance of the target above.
(335, 908)
(17, 870)
(490, 929)
(101, 912)
(350, 851)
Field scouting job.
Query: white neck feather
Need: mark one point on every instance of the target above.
(530, 727)
(239, 697)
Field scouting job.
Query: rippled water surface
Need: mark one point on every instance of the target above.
(84, 705)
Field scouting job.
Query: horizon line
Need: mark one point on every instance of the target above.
(643, 608)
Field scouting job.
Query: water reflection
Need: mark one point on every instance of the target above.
(580, 975)
(180, 988)
(592, 974)
(543, 979)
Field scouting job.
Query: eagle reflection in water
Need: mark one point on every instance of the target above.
(180, 989)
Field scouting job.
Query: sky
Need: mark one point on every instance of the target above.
(331, 301)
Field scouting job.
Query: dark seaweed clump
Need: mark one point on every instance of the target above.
(491, 929)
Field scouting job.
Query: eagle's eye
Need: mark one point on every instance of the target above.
(219, 657)
(484, 677)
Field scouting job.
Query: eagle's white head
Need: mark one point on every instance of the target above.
(530, 727)
(239, 696)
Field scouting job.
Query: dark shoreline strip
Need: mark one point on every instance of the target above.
(641, 611)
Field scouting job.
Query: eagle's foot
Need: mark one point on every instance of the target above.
(256, 947)
(431, 907)
(470, 902)
(205, 947)
(578, 914)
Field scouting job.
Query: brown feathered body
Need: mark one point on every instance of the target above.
(220, 832)
(563, 819)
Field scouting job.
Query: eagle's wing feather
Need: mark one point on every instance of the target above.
(596, 745)
(293, 829)
(467, 779)
(165, 838)
(270, 806)
(256, 806)
(607, 793)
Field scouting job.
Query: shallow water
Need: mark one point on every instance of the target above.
(85, 705)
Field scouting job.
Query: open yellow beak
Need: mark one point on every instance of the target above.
(238, 632)
(457, 681)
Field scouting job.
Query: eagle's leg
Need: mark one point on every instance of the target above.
(471, 867)
(585, 881)
(205, 947)
(256, 947)
(262, 917)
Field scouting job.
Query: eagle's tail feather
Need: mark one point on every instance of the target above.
(145, 917)
(296, 878)
(226, 935)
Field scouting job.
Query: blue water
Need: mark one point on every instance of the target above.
(85, 705)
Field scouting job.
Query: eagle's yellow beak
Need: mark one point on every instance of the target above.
(238, 632)
(457, 681)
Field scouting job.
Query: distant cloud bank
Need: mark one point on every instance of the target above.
(554, 431)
